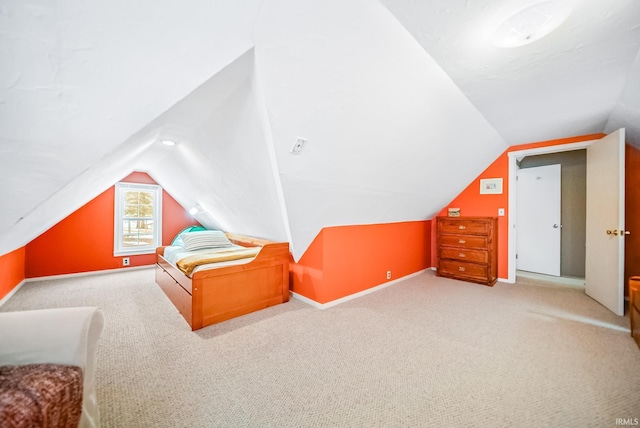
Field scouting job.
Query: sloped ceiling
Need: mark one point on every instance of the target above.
(568, 82)
(402, 103)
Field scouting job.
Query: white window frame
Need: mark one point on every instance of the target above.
(120, 188)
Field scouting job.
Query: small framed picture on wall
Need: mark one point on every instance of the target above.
(491, 186)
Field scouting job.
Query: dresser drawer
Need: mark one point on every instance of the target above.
(478, 256)
(476, 227)
(459, 269)
(465, 241)
(634, 307)
(634, 292)
(635, 326)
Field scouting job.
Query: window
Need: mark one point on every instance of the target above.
(138, 218)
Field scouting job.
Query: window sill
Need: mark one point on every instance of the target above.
(137, 252)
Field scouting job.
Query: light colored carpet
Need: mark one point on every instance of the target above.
(425, 352)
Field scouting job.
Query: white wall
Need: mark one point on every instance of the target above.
(381, 117)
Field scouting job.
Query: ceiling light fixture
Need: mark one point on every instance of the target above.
(531, 23)
(195, 210)
(297, 146)
(168, 142)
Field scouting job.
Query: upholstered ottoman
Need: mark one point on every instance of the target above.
(40, 395)
(35, 345)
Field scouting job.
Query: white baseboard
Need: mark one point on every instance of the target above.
(355, 295)
(306, 300)
(95, 272)
(12, 292)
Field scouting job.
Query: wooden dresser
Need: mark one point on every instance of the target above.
(634, 307)
(467, 248)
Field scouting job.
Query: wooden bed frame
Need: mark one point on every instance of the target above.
(218, 294)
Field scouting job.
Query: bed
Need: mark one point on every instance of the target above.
(219, 287)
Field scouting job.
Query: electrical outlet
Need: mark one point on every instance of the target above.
(388, 274)
(500, 211)
(125, 261)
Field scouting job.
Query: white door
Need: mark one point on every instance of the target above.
(604, 272)
(538, 219)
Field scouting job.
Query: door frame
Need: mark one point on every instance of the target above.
(513, 168)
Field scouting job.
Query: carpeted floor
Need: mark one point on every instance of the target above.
(425, 352)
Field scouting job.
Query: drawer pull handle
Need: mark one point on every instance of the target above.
(461, 268)
(462, 241)
(462, 226)
(461, 255)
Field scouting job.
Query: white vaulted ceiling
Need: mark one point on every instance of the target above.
(566, 83)
(402, 103)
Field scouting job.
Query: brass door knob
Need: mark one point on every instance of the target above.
(612, 232)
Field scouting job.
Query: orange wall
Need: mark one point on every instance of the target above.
(632, 214)
(12, 268)
(472, 203)
(83, 242)
(345, 260)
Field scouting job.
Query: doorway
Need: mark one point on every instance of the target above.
(571, 226)
(605, 210)
(572, 239)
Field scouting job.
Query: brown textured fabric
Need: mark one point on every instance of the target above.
(40, 395)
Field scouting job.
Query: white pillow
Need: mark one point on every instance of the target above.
(205, 239)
